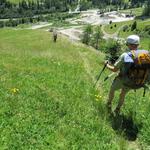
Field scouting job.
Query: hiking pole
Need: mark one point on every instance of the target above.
(101, 73)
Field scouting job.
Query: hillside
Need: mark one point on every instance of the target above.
(48, 100)
(123, 29)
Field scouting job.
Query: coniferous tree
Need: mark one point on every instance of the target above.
(87, 34)
(96, 37)
(146, 11)
(134, 25)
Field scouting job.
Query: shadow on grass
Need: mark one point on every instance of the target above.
(121, 123)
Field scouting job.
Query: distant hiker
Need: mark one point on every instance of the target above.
(54, 35)
(134, 71)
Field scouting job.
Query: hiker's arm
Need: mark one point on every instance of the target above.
(118, 64)
(112, 68)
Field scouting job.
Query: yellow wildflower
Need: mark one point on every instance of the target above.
(98, 97)
(14, 90)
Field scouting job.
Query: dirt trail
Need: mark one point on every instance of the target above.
(94, 17)
(41, 25)
(87, 66)
(73, 33)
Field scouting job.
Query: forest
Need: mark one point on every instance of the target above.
(30, 11)
(30, 8)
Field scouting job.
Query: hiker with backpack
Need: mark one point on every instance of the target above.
(134, 71)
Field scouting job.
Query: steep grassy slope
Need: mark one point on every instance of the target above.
(47, 99)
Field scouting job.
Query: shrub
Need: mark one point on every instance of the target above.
(2, 24)
(147, 28)
(113, 50)
(125, 28)
(146, 11)
(87, 34)
(96, 37)
(110, 22)
(134, 25)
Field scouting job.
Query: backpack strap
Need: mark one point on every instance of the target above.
(133, 54)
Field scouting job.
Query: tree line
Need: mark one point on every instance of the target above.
(54, 17)
(29, 8)
(29, 11)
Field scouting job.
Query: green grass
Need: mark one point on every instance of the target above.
(55, 106)
(140, 25)
(145, 42)
(135, 11)
(112, 30)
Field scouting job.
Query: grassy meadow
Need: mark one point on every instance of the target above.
(145, 43)
(134, 11)
(47, 98)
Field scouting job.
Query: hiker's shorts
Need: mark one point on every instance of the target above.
(118, 84)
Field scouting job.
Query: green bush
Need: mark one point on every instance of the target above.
(125, 28)
(113, 50)
(134, 26)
